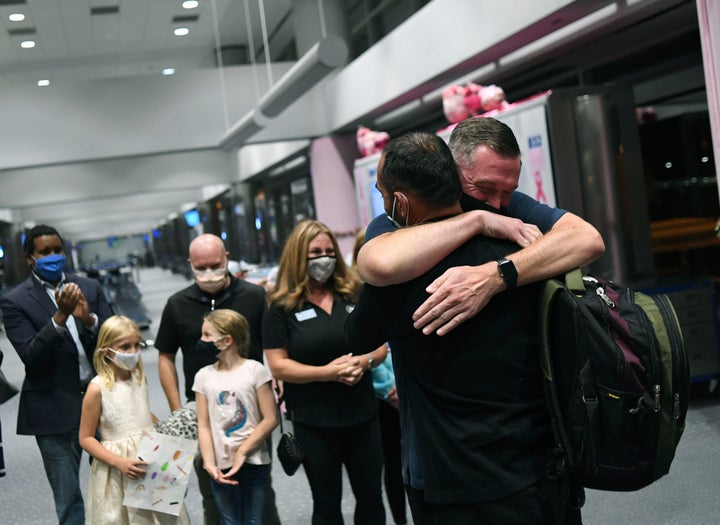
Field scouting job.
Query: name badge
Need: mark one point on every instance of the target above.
(305, 315)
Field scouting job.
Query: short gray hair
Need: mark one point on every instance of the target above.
(471, 133)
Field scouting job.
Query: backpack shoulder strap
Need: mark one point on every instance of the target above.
(563, 465)
(573, 282)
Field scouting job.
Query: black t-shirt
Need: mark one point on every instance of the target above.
(472, 402)
(313, 337)
(182, 318)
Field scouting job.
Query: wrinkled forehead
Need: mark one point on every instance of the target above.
(207, 254)
(490, 168)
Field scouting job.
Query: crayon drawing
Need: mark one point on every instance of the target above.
(170, 461)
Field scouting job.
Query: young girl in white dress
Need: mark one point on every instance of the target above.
(117, 406)
(236, 413)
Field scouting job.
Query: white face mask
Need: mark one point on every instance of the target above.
(216, 343)
(391, 215)
(211, 281)
(321, 268)
(125, 361)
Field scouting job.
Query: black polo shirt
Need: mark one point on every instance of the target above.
(182, 317)
(313, 337)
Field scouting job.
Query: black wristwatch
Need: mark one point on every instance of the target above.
(507, 272)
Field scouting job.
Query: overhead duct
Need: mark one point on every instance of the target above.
(326, 55)
(318, 62)
(243, 129)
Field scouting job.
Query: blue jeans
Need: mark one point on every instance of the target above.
(243, 504)
(61, 455)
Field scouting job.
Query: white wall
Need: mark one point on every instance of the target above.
(94, 199)
(68, 122)
(141, 115)
(255, 158)
(439, 43)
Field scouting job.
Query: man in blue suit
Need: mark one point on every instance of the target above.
(52, 320)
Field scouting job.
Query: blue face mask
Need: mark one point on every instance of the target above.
(51, 267)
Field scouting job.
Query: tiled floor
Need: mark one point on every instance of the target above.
(687, 496)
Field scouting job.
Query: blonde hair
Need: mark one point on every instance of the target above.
(293, 283)
(229, 322)
(359, 241)
(112, 330)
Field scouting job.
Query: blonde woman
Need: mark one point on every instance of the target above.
(328, 391)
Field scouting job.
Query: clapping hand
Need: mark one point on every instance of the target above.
(67, 298)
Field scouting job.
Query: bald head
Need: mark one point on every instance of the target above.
(207, 251)
(209, 260)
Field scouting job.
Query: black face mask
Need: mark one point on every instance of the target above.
(207, 349)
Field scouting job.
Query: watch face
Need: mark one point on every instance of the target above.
(507, 272)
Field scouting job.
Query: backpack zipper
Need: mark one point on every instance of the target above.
(676, 344)
(655, 374)
(601, 293)
(647, 326)
(599, 290)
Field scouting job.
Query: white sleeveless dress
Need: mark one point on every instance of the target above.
(125, 415)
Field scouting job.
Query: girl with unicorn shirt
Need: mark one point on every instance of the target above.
(236, 413)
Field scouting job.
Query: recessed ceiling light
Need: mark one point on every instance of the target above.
(42, 83)
(168, 71)
(27, 44)
(181, 31)
(16, 17)
(190, 4)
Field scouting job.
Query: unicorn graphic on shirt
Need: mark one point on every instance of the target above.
(232, 412)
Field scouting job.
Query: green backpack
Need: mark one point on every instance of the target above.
(617, 382)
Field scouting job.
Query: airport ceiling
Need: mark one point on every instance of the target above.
(90, 40)
(103, 39)
(83, 41)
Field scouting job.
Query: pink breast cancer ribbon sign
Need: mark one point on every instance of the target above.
(164, 486)
(536, 156)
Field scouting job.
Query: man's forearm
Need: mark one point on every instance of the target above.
(169, 381)
(571, 243)
(463, 291)
(407, 253)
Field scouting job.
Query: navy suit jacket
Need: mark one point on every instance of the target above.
(51, 398)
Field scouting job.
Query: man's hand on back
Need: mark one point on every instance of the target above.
(457, 295)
